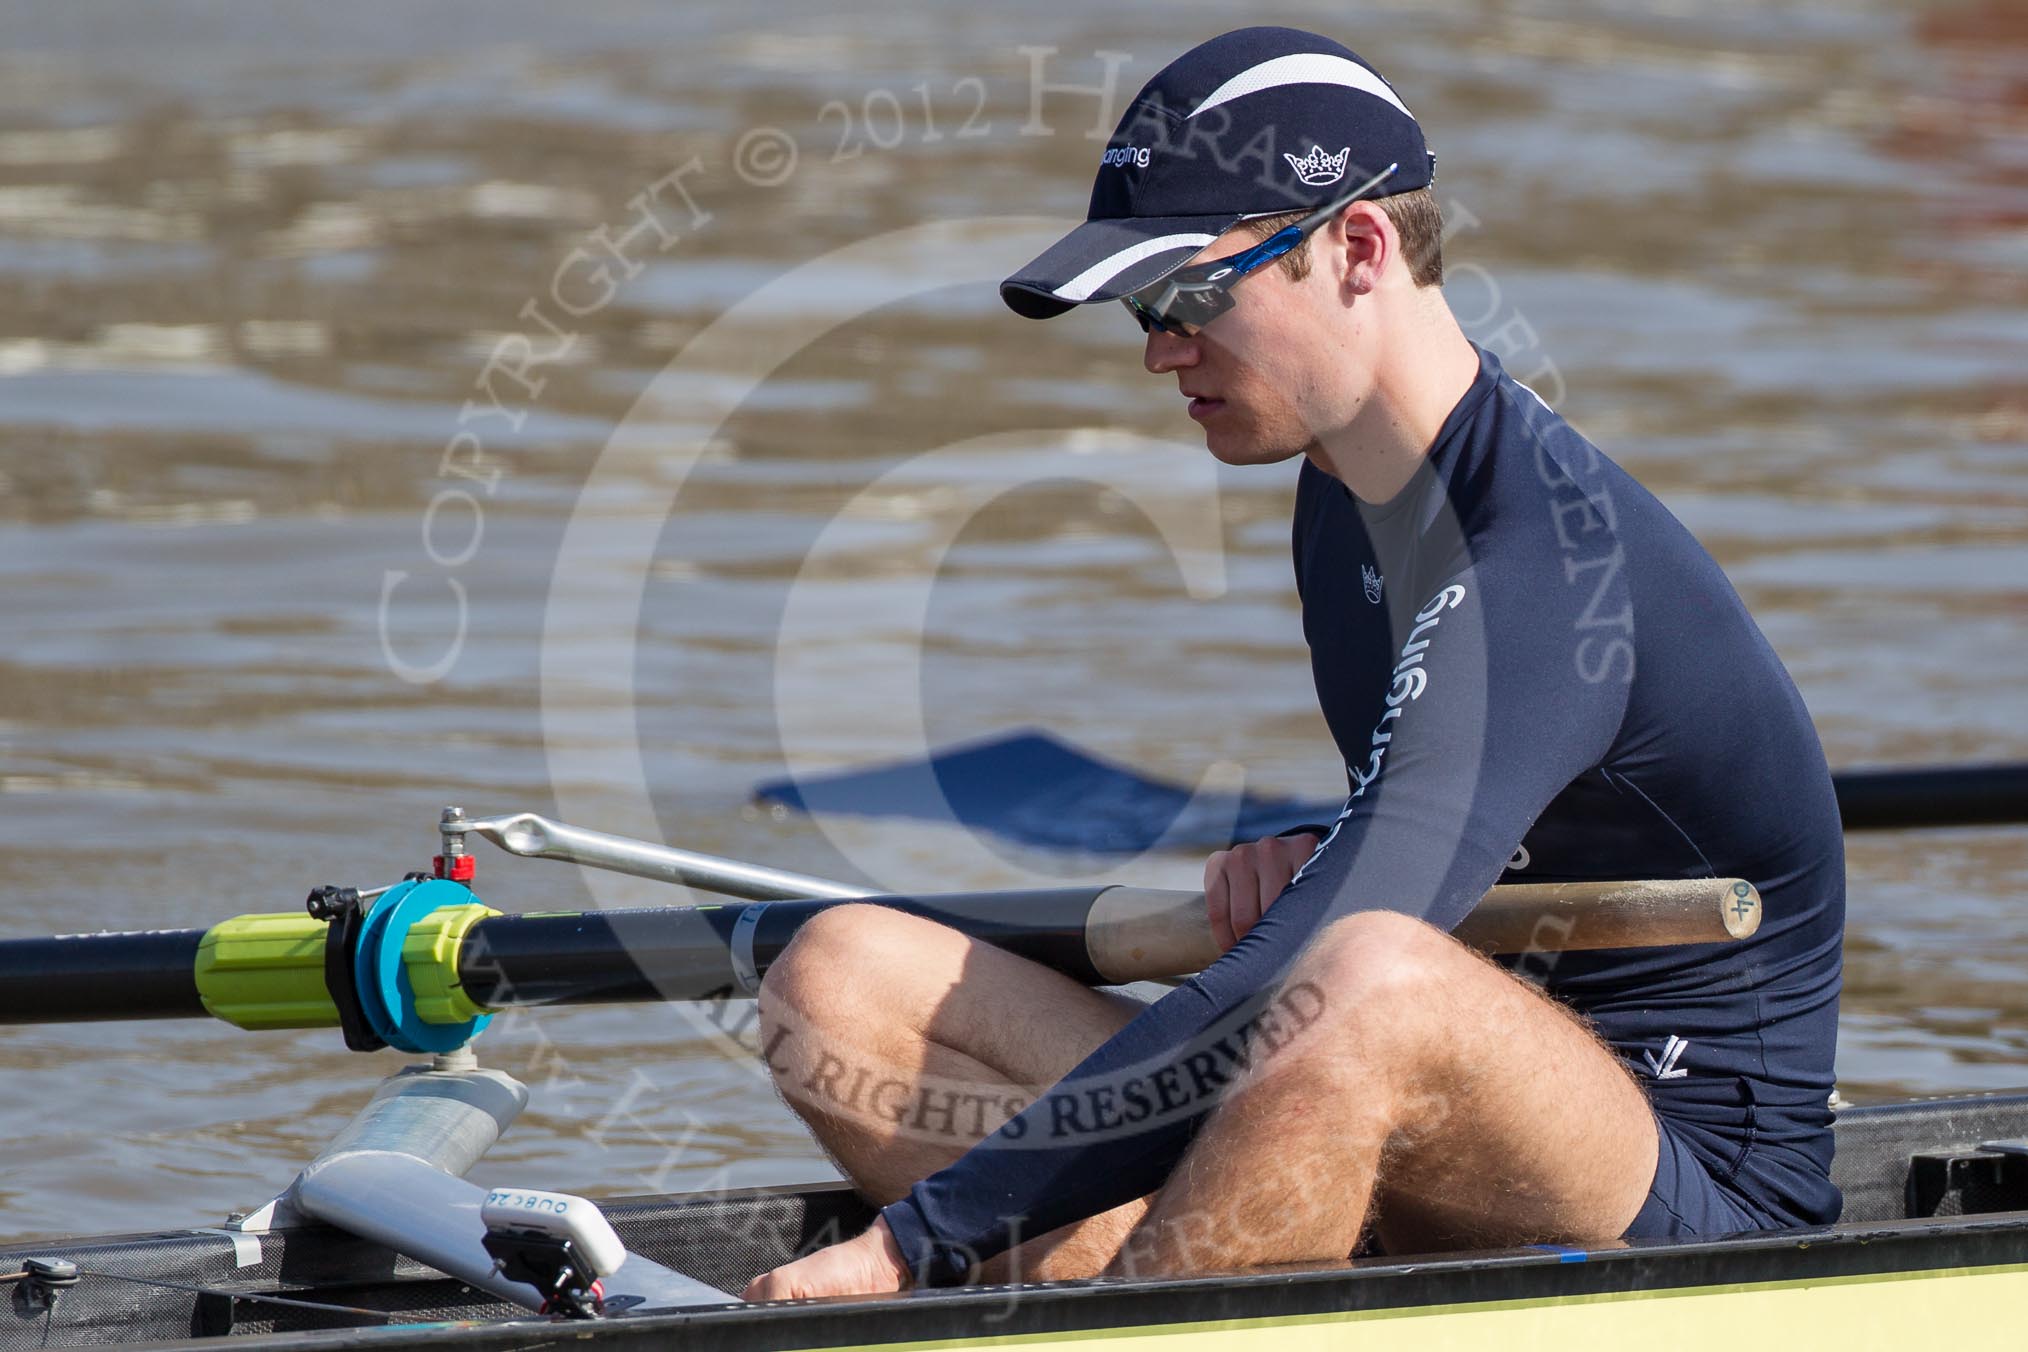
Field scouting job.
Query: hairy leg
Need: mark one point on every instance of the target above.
(1473, 1109)
(901, 1043)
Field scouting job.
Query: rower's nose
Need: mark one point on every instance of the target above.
(1167, 352)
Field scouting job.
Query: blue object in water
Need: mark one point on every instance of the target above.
(1038, 790)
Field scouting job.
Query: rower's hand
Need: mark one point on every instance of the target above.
(1242, 882)
(867, 1265)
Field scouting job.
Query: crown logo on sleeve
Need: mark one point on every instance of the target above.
(1317, 168)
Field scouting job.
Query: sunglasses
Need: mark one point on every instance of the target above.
(1185, 301)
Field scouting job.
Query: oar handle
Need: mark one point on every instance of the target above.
(1138, 933)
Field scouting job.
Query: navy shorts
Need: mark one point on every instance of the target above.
(1693, 1192)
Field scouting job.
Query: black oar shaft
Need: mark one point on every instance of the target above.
(1966, 795)
(80, 977)
(272, 970)
(684, 953)
(589, 958)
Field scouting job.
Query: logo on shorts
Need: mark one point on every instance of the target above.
(1372, 581)
(1666, 1068)
(1317, 168)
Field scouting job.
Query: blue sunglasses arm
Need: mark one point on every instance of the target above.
(1268, 250)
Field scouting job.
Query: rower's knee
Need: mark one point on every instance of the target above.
(1371, 977)
(814, 974)
(846, 966)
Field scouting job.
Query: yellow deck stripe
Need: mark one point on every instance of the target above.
(1958, 1308)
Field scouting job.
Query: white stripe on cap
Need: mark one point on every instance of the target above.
(1302, 68)
(1079, 288)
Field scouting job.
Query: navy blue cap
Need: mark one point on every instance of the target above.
(1253, 123)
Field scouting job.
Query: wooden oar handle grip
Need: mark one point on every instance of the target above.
(1137, 933)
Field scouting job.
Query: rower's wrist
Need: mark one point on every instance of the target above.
(889, 1251)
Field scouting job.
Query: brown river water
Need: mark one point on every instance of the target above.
(362, 450)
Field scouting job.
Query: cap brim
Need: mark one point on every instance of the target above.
(1104, 260)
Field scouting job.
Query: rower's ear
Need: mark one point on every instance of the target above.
(1365, 244)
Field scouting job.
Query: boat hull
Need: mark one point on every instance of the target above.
(1882, 1277)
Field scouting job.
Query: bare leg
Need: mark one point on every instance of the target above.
(901, 1043)
(1474, 1109)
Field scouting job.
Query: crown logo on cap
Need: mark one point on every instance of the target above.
(1317, 168)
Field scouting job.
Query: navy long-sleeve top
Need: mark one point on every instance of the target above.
(1534, 673)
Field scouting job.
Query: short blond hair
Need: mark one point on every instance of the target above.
(1417, 218)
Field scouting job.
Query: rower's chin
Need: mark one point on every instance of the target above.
(1231, 441)
(1225, 447)
(1244, 445)
(1224, 431)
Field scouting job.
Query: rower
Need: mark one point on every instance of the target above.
(1531, 670)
